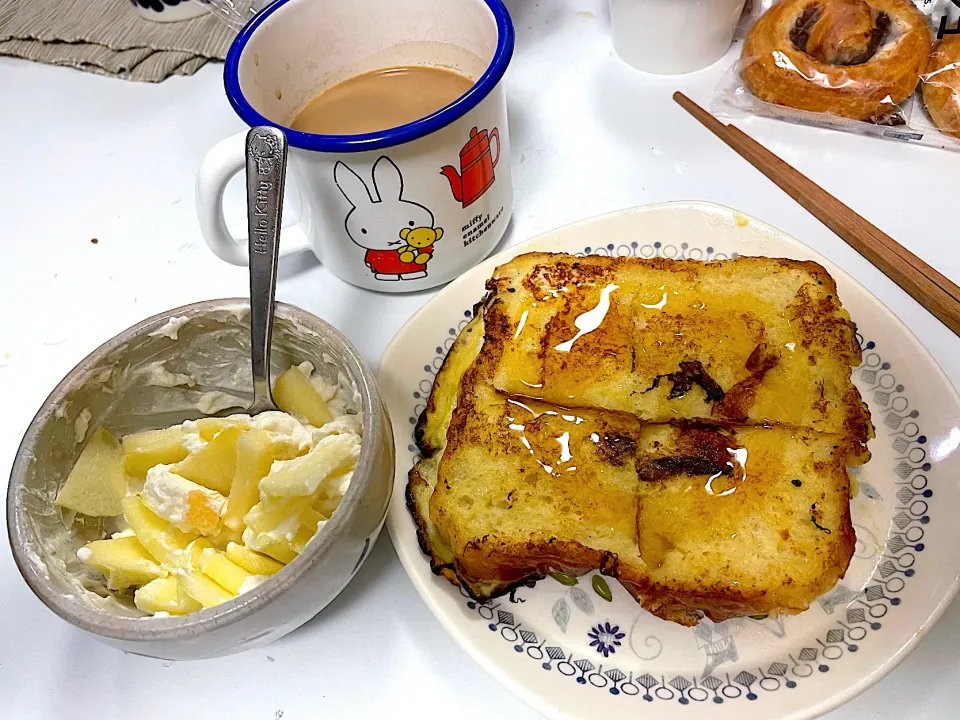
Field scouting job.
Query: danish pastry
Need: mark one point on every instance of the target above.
(852, 58)
(941, 85)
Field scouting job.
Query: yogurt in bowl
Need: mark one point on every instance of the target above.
(179, 366)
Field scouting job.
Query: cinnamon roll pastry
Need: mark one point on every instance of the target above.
(852, 58)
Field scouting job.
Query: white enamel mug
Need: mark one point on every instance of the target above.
(669, 37)
(399, 210)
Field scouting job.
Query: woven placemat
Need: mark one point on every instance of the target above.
(109, 37)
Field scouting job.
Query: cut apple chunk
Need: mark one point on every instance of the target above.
(215, 464)
(124, 561)
(163, 541)
(97, 483)
(202, 589)
(209, 427)
(277, 548)
(224, 537)
(295, 394)
(143, 450)
(251, 561)
(260, 519)
(303, 475)
(326, 505)
(190, 560)
(255, 455)
(165, 595)
(219, 568)
(310, 520)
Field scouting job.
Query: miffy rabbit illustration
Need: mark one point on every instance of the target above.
(377, 220)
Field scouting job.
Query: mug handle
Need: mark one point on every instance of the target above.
(221, 164)
(496, 133)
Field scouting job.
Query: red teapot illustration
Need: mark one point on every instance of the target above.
(476, 167)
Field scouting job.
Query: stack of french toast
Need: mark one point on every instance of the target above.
(683, 427)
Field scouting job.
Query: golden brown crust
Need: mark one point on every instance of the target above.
(776, 70)
(941, 85)
(430, 436)
(418, 488)
(679, 340)
(431, 428)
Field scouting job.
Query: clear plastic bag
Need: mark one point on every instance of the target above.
(861, 66)
(940, 91)
(751, 13)
(235, 13)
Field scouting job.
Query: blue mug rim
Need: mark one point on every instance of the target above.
(384, 138)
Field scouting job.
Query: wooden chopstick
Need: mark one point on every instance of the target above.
(834, 214)
(936, 292)
(821, 204)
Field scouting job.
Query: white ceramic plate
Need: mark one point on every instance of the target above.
(572, 654)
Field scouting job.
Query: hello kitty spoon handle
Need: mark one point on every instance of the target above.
(266, 172)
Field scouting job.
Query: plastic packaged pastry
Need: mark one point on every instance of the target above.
(854, 65)
(941, 85)
(827, 56)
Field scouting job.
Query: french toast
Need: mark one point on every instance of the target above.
(767, 539)
(699, 516)
(753, 341)
(431, 438)
(676, 513)
(517, 496)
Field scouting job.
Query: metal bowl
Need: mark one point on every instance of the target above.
(131, 383)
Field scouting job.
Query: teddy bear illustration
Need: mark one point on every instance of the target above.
(419, 247)
(377, 220)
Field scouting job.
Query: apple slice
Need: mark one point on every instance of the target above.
(143, 450)
(161, 539)
(219, 568)
(96, 484)
(255, 455)
(123, 560)
(295, 394)
(165, 595)
(215, 464)
(202, 589)
(253, 562)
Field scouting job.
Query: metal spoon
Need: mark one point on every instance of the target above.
(266, 173)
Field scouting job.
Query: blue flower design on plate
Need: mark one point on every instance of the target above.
(605, 638)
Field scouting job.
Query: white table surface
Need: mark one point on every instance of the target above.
(89, 157)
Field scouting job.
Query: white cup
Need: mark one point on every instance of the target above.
(438, 190)
(169, 10)
(669, 37)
